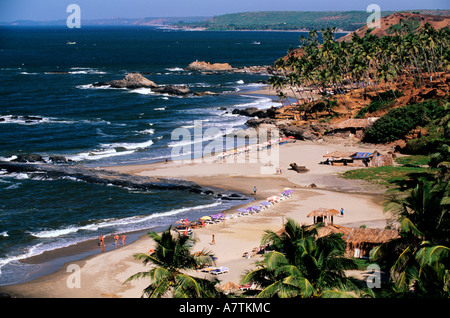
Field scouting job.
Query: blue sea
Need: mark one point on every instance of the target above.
(45, 77)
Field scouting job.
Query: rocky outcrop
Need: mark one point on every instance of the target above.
(207, 66)
(205, 93)
(131, 81)
(307, 132)
(256, 112)
(28, 158)
(107, 177)
(256, 122)
(96, 176)
(173, 90)
(136, 80)
(35, 158)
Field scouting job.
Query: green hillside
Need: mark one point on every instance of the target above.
(293, 20)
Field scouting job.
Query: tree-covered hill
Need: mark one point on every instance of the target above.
(293, 20)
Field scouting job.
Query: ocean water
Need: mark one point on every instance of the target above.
(44, 77)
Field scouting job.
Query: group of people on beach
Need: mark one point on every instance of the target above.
(116, 240)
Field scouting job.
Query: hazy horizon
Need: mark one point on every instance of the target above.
(50, 10)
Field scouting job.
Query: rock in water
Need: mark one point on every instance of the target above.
(173, 90)
(28, 158)
(131, 80)
(206, 66)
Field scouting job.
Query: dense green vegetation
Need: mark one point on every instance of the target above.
(384, 101)
(389, 176)
(397, 123)
(292, 20)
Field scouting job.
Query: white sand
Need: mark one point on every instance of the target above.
(103, 275)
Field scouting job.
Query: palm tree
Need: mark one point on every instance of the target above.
(302, 264)
(169, 262)
(387, 73)
(419, 260)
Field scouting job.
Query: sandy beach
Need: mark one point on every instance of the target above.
(103, 274)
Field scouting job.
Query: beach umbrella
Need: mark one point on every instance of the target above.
(287, 189)
(273, 198)
(256, 207)
(265, 203)
(206, 217)
(291, 137)
(242, 210)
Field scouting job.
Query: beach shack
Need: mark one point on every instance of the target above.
(338, 158)
(352, 127)
(358, 159)
(323, 215)
(360, 241)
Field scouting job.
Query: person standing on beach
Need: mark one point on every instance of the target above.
(116, 240)
(342, 212)
(213, 242)
(102, 240)
(123, 239)
(254, 190)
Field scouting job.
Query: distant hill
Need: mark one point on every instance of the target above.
(265, 20)
(294, 20)
(150, 21)
(413, 21)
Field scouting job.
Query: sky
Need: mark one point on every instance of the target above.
(39, 10)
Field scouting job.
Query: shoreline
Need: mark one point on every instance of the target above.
(230, 176)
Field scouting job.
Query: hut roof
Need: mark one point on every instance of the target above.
(362, 155)
(322, 212)
(369, 235)
(355, 123)
(338, 154)
(333, 229)
(229, 286)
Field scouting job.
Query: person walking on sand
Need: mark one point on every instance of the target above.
(254, 190)
(213, 242)
(101, 240)
(123, 239)
(342, 212)
(116, 239)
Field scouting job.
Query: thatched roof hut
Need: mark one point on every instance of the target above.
(323, 215)
(354, 126)
(361, 240)
(333, 229)
(229, 287)
(322, 212)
